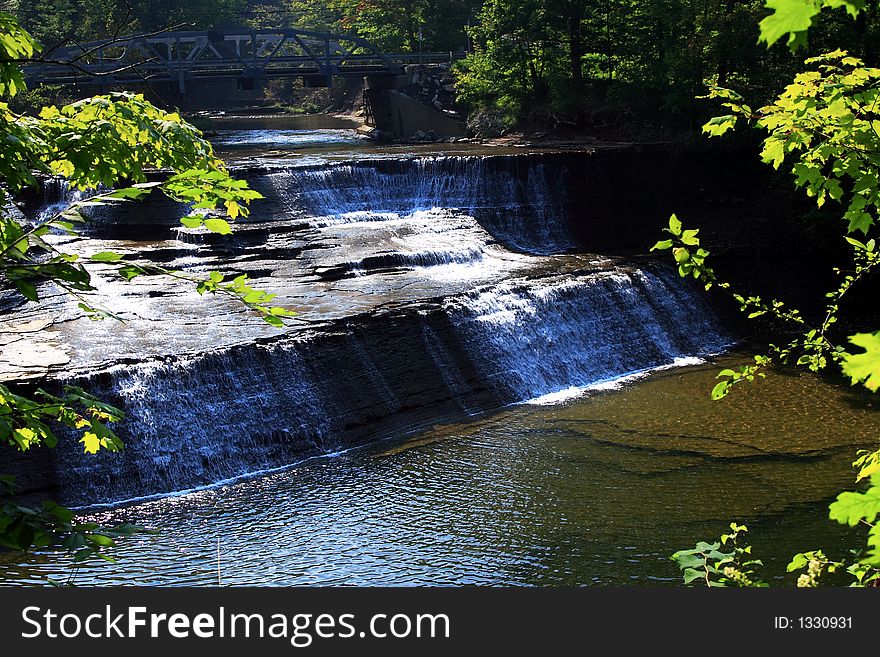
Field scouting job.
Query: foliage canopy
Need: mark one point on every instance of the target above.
(825, 123)
(117, 148)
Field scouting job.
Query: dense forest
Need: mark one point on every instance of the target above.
(540, 61)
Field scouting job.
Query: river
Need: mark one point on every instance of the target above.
(473, 392)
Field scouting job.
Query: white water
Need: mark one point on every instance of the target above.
(534, 333)
(519, 200)
(559, 337)
(229, 139)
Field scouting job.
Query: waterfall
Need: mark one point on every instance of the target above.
(532, 340)
(450, 375)
(444, 292)
(198, 421)
(56, 195)
(520, 200)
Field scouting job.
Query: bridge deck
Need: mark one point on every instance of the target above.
(184, 56)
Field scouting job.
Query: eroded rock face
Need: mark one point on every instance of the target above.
(427, 290)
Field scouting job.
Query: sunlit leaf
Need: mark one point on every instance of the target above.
(864, 367)
(852, 508)
(106, 256)
(217, 225)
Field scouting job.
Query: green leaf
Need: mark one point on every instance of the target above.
(232, 209)
(868, 470)
(27, 289)
(864, 367)
(130, 271)
(853, 7)
(65, 226)
(62, 513)
(681, 255)
(798, 561)
(689, 237)
(688, 560)
(100, 539)
(851, 508)
(674, 225)
(790, 18)
(91, 443)
(720, 390)
(856, 243)
(861, 221)
(106, 256)
(718, 125)
(662, 245)
(774, 152)
(192, 221)
(216, 225)
(128, 193)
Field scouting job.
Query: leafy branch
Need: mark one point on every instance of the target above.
(708, 564)
(215, 283)
(51, 526)
(813, 347)
(793, 18)
(827, 120)
(24, 422)
(117, 141)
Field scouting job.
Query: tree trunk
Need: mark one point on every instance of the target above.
(576, 47)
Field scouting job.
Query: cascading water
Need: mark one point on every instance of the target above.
(520, 200)
(198, 421)
(456, 309)
(56, 195)
(450, 375)
(240, 139)
(534, 340)
(478, 287)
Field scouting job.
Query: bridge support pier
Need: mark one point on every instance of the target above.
(390, 110)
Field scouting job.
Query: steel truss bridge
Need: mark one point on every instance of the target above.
(249, 56)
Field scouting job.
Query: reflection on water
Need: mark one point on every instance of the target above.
(596, 491)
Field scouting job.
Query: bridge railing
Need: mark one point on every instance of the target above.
(184, 56)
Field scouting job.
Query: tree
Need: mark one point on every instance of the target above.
(825, 122)
(55, 22)
(642, 58)
(112, 143)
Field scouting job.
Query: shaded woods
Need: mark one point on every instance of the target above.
(540, 62)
